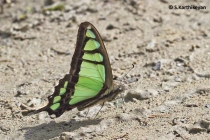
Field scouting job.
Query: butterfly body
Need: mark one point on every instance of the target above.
(89, 81)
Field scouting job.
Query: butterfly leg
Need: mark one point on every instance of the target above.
(100, 109)
(87, 113)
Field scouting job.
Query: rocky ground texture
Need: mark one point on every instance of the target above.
(170, 49)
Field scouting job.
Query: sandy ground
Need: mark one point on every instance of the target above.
(169, 47)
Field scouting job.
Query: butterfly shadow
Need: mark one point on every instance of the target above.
(53, 129)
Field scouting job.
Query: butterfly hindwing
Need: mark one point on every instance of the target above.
(90, 76)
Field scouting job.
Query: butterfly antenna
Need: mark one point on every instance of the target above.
(127, 73)
(87, 113)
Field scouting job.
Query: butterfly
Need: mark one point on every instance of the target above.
(89, 81)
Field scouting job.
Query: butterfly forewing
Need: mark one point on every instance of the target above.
(90, 76)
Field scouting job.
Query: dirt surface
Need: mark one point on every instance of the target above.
(170, 49)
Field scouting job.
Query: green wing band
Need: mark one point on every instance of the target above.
(63, 90)
(56, 99)
(55, 106)
(95, 71)
(91, 45)
(90, 83)
(90, 34)
(93, 57)
(82, 93)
